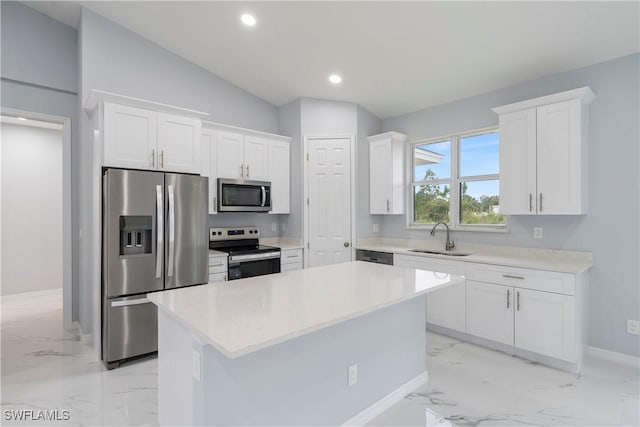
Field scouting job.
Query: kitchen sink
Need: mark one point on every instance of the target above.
(426, 251)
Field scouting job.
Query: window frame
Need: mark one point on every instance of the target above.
(454, 182)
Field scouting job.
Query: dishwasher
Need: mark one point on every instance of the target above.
(374, 256)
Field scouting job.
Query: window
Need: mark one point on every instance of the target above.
(456, 180)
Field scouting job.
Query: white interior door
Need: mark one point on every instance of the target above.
(329, 207)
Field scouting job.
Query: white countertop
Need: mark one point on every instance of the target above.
(243, 316)
(214, 253)
(535, 258)
(284, 243)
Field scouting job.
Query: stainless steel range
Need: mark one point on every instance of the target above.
(247, 257)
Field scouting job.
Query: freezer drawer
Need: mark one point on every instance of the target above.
(131, 328)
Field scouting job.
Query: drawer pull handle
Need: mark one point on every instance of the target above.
(518, 300)
(215, 265)
(508, 296)
(509, 276)
(292, 256)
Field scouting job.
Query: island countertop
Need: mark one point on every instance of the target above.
(247, 315)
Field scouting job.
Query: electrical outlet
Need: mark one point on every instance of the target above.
(537, 232)
(353, 375)
(274, 226)
(633, 327)
(376, 228)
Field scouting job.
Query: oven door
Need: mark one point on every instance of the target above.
(243, 196)
(243, 266)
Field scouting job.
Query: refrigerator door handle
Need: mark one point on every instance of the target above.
(125, 303)
(172, 229)
(159, 231)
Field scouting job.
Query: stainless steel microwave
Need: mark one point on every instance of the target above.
(243, 196)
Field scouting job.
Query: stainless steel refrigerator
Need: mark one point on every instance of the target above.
(155, 237)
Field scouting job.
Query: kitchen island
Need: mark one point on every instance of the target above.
(321, 346)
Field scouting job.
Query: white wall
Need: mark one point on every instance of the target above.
(31, 208)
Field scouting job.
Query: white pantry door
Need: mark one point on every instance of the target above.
(329, 194)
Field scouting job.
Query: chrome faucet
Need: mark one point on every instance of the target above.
(450, 244)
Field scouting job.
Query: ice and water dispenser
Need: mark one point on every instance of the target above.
(135, 235)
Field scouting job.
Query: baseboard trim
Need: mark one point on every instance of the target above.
(388, 401)
(612, 356)
(84, 338)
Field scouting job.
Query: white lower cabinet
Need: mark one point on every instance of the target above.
(545, 323)
(490, 311)
(445, 307)
(290, 259)
(217, 267)
(540, 320)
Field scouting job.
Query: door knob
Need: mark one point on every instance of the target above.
(346, 244)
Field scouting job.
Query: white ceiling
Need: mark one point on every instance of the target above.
(394, 57)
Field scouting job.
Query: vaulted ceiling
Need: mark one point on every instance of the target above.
(394, 57)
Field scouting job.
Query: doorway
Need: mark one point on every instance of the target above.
(329, 208)
(35, 208)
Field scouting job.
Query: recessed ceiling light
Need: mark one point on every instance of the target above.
(335, 79)
(22, 118)
(248, 20)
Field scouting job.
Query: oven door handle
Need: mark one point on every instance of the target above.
(264, 195)
(255, 257)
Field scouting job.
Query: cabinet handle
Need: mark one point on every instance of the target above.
(540, 202)
(530, 202)
(242, 171)
(388, 205)
(518, 300)
(215, 206)
(161, 159)
(292, 256)
(153, 157)
(508, 296)
(509, 276)
(247, 171)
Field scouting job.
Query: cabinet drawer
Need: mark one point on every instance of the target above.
(291, 256)
(218, 268)
(217, 277)
(548, 281)
(290, 267)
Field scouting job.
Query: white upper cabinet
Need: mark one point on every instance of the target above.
(243, 156)
(209, 166)
(543, 154)
(386, 173)
(179, 143)
(130, 137)
(144, 139)
(230, 155)
(279, 164)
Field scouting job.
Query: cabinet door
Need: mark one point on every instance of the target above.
(209, 166)
(380, 177)
(229, 161)
(279, 163)
(130, 137)
(179, 143)
(518, 162)
(256, 158)
(445, 307)
(545, 323)
(490, 311)
(560, 162)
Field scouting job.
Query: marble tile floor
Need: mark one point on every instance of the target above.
(44, 367)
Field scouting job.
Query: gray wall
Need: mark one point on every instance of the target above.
(611, 229)
(40, 74)
(368, 125)
(290, 124)
(32, 208)
(117, 60)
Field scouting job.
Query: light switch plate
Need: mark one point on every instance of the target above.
(376, 228)
(352, 375)
(274, 226)
(196, 364)
(537, 232)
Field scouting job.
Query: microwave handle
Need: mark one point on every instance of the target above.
(264, 196)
